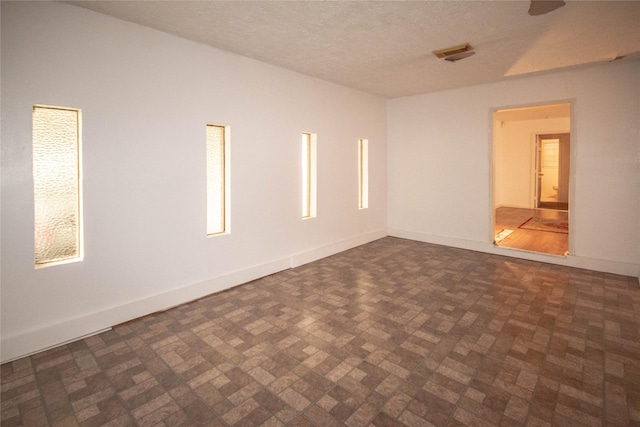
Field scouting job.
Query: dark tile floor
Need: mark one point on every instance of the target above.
(391, 333)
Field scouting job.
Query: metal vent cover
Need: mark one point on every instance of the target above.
(455, 50)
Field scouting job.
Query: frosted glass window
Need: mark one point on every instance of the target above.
(56, 184)
(308, 175)
(363, 173)
(217, 218)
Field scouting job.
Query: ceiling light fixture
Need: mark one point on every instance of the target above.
(541, 7)
(455, 53)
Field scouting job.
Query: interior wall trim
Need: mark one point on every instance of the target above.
(601, 265)
(305, 257)
(36, 340)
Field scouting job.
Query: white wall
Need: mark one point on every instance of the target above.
(440, 163)
(514, 152)
(146, 97)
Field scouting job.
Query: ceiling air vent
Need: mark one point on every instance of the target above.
(455, 53)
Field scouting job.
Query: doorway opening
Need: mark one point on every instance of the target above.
(531, 170)
(552, 171)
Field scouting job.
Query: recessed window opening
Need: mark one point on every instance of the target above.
(363, 173)
(217, 180)
(308, 175)
(57, 185)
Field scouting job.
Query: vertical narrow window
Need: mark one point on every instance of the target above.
(363, 173)
(57, 185)
(217, 180)
(308, 175)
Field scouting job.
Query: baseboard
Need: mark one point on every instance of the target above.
(36, 340)
(605, 266)
(325, 251)
(33, 341)
(26, 343)
(438, 240)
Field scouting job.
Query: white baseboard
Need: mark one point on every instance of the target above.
(29, 342)
(33, 341)
(70, 330)
(325, 251)
(606, 266)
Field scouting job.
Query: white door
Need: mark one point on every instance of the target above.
(552, 171)
(548, 171)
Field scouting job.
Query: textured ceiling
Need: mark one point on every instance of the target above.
(384, 47)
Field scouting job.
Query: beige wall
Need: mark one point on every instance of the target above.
(514, 156)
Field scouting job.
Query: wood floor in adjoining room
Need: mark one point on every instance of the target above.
(547, 242)
(391, 333)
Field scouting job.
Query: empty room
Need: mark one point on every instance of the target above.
(291, 213)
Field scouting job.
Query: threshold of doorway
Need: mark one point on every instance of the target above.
(564, 256)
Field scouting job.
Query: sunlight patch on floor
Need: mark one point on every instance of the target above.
(502, 234)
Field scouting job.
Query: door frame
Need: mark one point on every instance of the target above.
(536, 163)
(572, 159)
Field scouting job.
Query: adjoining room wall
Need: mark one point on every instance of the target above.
(146, 98)
(515, 151)
(440, 163)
